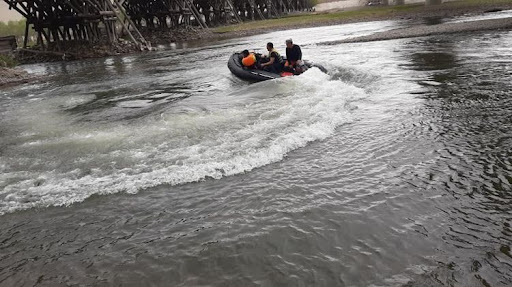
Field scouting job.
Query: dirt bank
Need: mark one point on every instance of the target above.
(14, 76)
(428, 30)
(75, 51)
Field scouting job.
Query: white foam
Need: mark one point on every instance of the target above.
(134, 104)
(273, 119)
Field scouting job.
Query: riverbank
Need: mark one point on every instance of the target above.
(364, 14)
(429, 30)
(14, 76)
(415, 12)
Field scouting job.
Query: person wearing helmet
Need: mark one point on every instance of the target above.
(275, 62)
(249, 59)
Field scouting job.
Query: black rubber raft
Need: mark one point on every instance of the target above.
(235, 66)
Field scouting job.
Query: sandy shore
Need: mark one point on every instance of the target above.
(429, 30)
(354, 4)
(337, 5)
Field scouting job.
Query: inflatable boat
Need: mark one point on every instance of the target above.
(236, 67)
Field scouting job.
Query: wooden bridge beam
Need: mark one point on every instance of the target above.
(62, 21)
(53, 21)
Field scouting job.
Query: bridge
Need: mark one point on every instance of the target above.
(58, 23)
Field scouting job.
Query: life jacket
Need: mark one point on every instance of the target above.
(278, 59)
(249, 60)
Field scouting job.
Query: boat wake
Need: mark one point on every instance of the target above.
(61, 164)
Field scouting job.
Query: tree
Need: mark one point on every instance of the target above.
(16, 28)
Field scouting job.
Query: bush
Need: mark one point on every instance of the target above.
(7, 62)
(16, 28)
(313, 3)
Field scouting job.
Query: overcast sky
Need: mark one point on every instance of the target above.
(8, 15)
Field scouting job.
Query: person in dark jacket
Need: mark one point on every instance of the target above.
(293, 57)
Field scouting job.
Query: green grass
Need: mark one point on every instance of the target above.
(7, 62)
(362, 13)
(303, 19)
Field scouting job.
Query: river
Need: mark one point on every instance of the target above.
(163, 169)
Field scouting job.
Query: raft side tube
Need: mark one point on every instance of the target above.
(236, 67)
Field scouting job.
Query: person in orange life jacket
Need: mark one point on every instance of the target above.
(293, 58)
(274, 63)
(249, 60)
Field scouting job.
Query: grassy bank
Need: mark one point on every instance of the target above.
(7, 62)
(312, 18)
(362, 14)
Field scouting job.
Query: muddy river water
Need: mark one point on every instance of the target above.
(163, 169)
